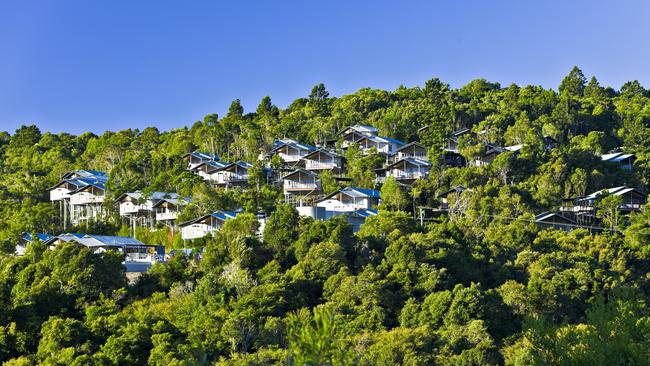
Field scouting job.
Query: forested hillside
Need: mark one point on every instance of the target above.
(482, 284)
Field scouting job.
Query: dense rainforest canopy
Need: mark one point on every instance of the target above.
(481, 286)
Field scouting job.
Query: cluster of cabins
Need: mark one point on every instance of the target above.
(80, 194)
(356, 203)
(148, 209)
(301, 164)
(80, 197)
(582, 211)
(138, 257)
(575, 212)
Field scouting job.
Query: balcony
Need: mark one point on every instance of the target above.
(84, 198)
(231, 178)
(399, 175)
(194, 232)
(59, 194)
(348, 206)
(129, 208)
(197, 231)
(290, 185)
(140, 257)
(421, 156)
(291, 158)
(235, 178)
(576, 208)
(169, 215)
(631, 206)
(318, 165)
(204, 175)
(345, 207)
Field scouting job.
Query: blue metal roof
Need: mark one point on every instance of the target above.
(224, 215)
(95, 173)
(114, 240)
(293, 143)
(398, 142)
(216, 164)
(84, 178)
(87, 239)
(93, 179)
(95, 184)
(90, 174)
(367, 192)
(204, 155)
(382, 139)
(365, 212)
(40, 236)
(363, 129)
(243, 164)
(220, 214)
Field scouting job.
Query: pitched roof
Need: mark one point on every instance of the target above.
(70, 236)
(456, 189)
(242, 164)
(224, 215)
(493, 149)
(547, 215)
(372, 193)
(174, 201)
(40, 236)
(85, 173)
(365, 212)
(202, 155)
(460, 131)
(220, 214)
(292, 143)
(81, 178)
(363, 129)
(354, 192)
(381, 139)
(91, 240)
(617, 157)
(414, 161)
(322, 151)
(413, 143)
(616, 191)
(223, 166)
(306, 172)
(95, 184)
(216, 165)
(282, 142)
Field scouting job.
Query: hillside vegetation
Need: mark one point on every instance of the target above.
(483, 285)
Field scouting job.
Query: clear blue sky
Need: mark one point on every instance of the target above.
(97, 65)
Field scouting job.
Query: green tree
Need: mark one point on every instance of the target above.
(608, 209)
(281, 231)
(574, 83)
(392, 195)
(318, 340)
